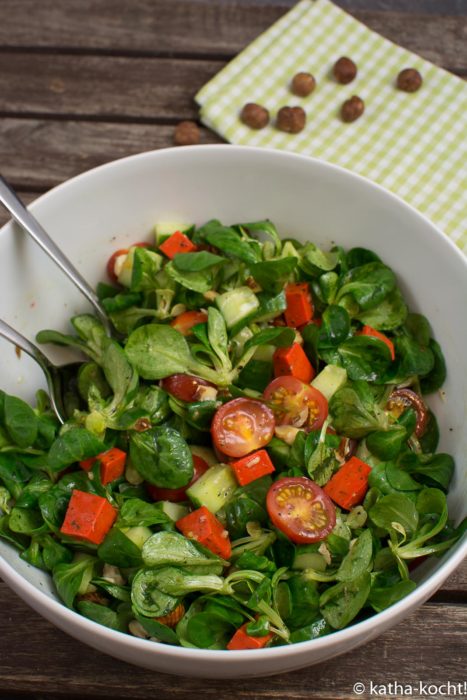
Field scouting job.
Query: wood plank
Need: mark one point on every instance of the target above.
(37, 154)
(457, 582)
(36, 655)
(181, 27)
(149, 89)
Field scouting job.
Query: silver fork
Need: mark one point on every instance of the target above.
(57, 377)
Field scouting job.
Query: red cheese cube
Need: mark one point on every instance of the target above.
(349, 485)
(243, 640)
(293, 361)
(88, 517)
(112, 464)
(299, 309)
(201, 525)
(252, 467)
(177, 243)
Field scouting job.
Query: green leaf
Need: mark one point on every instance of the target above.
(74, 445)
(359, 558)
(117, 549)
(27, 521)
(172, 548)
(280, 337)
(415, 359)
(272, 274)
(119, 373)
(339, 604)
(335, 328)
(146, 265)
(157, 351)
(435, 379)
(395, 508)
(434, 470)
(313, 259)
(304, 601)
(13, 473)
(232, 244)
(196, 262)
(101, 614)
(355, 412)
(217, 336)
(388, 315)
(68, 578)
(136, 513)
(368, 284)
(156, 629)
(20, 421)
(382, 597)
(386, 444)
(265, 227)
(209, 631)
(162, 457)
(365, 358)
(201, 281)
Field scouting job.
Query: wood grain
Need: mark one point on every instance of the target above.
(178, 27)
(76, 668)
(107, 87)
(38, 154)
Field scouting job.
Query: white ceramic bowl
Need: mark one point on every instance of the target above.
(107, 208)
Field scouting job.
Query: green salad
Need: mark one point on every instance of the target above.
(249, 461)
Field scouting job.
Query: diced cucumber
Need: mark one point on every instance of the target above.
(239, 340)
(289, 250)
(307, 557)
(270, 306)
(205, 453)
(138, 535)
(237, 304)
(164, 229)
(133, 265)
(214, 488)
(329, 380)
(264, 353)
(124, 274)
(256, 375)
(175, 511)
(146, 266)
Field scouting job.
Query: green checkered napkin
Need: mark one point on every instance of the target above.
(414, 144)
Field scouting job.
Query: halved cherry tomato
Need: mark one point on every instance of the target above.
(300, 509)
(241, 426)
(295, 403)
(177, 495)
(184, 386)
(401, 399)
(122, 251)
(185, 322)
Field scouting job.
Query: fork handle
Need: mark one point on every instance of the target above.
(29, 223)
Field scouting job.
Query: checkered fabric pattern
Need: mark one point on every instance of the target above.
(414, 144)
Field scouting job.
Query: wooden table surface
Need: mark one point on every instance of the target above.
(83, 82)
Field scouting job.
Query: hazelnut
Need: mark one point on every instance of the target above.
(344, 70)
(291, 119)
(186, 134)
(352, 109)
(303, 84)
(255, 116)
(409, 80)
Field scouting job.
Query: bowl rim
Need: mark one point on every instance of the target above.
(70, 620)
